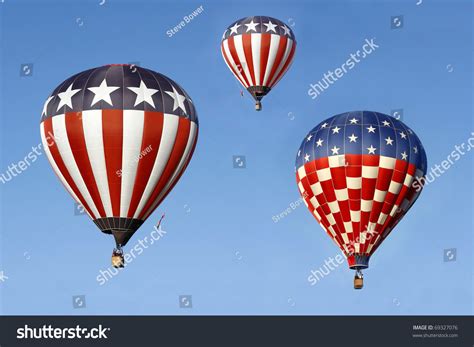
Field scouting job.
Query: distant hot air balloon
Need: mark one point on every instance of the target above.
(119, 137)
(359, 173)
(258, 50)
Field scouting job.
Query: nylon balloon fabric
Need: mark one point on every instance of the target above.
(359, 173)
(119, 137)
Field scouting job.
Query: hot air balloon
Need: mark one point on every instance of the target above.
(258, 51)
(359, 173)
(119, 137)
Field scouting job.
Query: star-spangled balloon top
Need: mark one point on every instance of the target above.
(362, 133)
(258, 24)
(119, 86)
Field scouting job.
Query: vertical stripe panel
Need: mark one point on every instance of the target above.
(131, 151)
(47, 138)
(170, 129)
(274, 44)
(152, 131)
(179, 169)
(112, 130)
(179, 144)
(65, 151)
(256, 44)
(92, 123)
(75, 135)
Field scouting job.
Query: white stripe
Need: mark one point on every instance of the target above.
(233, 67)
(55, 167)
(59, 129)
(256, 40)
(92, 123)
(366, 205)
(179, 168)
(354, 182)
(239, 47)
(170, 129)
(370, 171)
(274, 41)
(379, 195)
(355, 216)
(133, 121)
(301, 172)
(289, 44)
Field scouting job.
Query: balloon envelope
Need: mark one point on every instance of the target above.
(359, 173)
(119, 137)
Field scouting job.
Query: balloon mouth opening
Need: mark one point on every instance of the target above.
(358, 261)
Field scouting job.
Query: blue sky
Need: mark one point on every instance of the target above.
(222, 245)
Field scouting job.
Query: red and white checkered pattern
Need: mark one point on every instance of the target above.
(358, 199)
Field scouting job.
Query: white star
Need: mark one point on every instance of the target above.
(353, 120)
(306, 157)
(324, 125)
(102, 92)
(144, 94)
(309, 137)
(389, 141)
(66, 97)
(415, 149)
(335, 150)
(223, 35)
(251, 26)
(178, 100)
(352, 138)
(403, 135)
(287, 30)
(45, 106)
(371, 129)
(270, 26)
(3, 277)
(371, 149)
(336, 130)
(386, 123)
(299, 152)
(404, 156)
(319, 143)
(234, 29)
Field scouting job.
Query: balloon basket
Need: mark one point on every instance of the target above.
(258, 106)
(117, 259)
(358, 282)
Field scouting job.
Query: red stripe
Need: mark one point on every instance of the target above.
(264, 52)
(231, 65)
(247, 43)
(112, 131)
(286, 66)
(278, 58)
(53, 148)
(75, 135)
(175, 157)
(235, 57)
(152, 133)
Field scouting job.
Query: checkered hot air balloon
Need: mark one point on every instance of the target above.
(258, 51)
(119, 137)
(359, 173)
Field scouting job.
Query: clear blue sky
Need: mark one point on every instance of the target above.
(222, 246)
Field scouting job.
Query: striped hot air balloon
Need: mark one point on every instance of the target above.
(119, 137)
(258, 51)
(359, 173)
